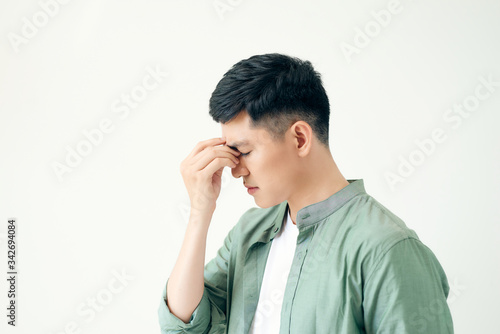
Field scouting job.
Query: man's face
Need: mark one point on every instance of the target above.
(265, 163)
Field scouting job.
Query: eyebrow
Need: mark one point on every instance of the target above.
(237, 144)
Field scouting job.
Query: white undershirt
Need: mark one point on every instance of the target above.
(268, 312)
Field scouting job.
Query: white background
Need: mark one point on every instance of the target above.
(124, 206)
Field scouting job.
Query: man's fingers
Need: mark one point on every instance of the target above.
(204, 144)
(217, 164)
(208, 155)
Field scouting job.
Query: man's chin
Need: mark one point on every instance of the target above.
(263, 204)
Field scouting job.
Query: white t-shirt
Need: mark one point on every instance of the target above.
(268, 312)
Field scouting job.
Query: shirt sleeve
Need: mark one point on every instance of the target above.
(407, 292)
(210, 314)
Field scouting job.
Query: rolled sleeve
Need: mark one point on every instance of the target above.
(198, 323)
(210, 314)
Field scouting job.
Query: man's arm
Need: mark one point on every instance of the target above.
(210, 313)
(406, 292)
(185, 285)
(201, 172)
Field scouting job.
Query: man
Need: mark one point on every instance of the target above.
(319, 255)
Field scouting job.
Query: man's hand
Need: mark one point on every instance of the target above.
(202, 171)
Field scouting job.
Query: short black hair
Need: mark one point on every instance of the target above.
(276, 91)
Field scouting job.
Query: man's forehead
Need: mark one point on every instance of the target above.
(235, 135)
(250, 138)
(239, 133)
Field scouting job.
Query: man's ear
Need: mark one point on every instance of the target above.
(303, 135)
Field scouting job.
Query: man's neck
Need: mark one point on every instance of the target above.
(322, 181)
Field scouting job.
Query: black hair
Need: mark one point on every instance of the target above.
(276, 91)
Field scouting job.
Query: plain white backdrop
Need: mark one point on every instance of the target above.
(101, 101)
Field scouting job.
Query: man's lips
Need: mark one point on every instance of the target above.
(251, 190)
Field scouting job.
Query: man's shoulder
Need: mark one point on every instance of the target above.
(368, 231)
(379, 216)
(374, 226)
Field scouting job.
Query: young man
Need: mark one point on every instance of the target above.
(319, 255)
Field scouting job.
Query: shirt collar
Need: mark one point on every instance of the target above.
(313, 213)
(316, 212)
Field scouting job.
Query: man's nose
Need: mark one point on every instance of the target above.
(239, 170)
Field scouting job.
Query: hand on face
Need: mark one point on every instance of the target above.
(202, 171)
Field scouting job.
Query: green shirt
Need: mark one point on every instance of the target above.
(357, 269)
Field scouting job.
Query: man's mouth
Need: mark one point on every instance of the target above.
(251, 190)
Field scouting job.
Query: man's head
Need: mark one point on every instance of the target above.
(276, 91)
(275, 111)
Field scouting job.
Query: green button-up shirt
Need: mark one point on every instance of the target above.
(357, 268)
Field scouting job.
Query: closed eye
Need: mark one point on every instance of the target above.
(243, 154)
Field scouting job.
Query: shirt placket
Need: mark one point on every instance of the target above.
(301, 249)
(253, 272)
